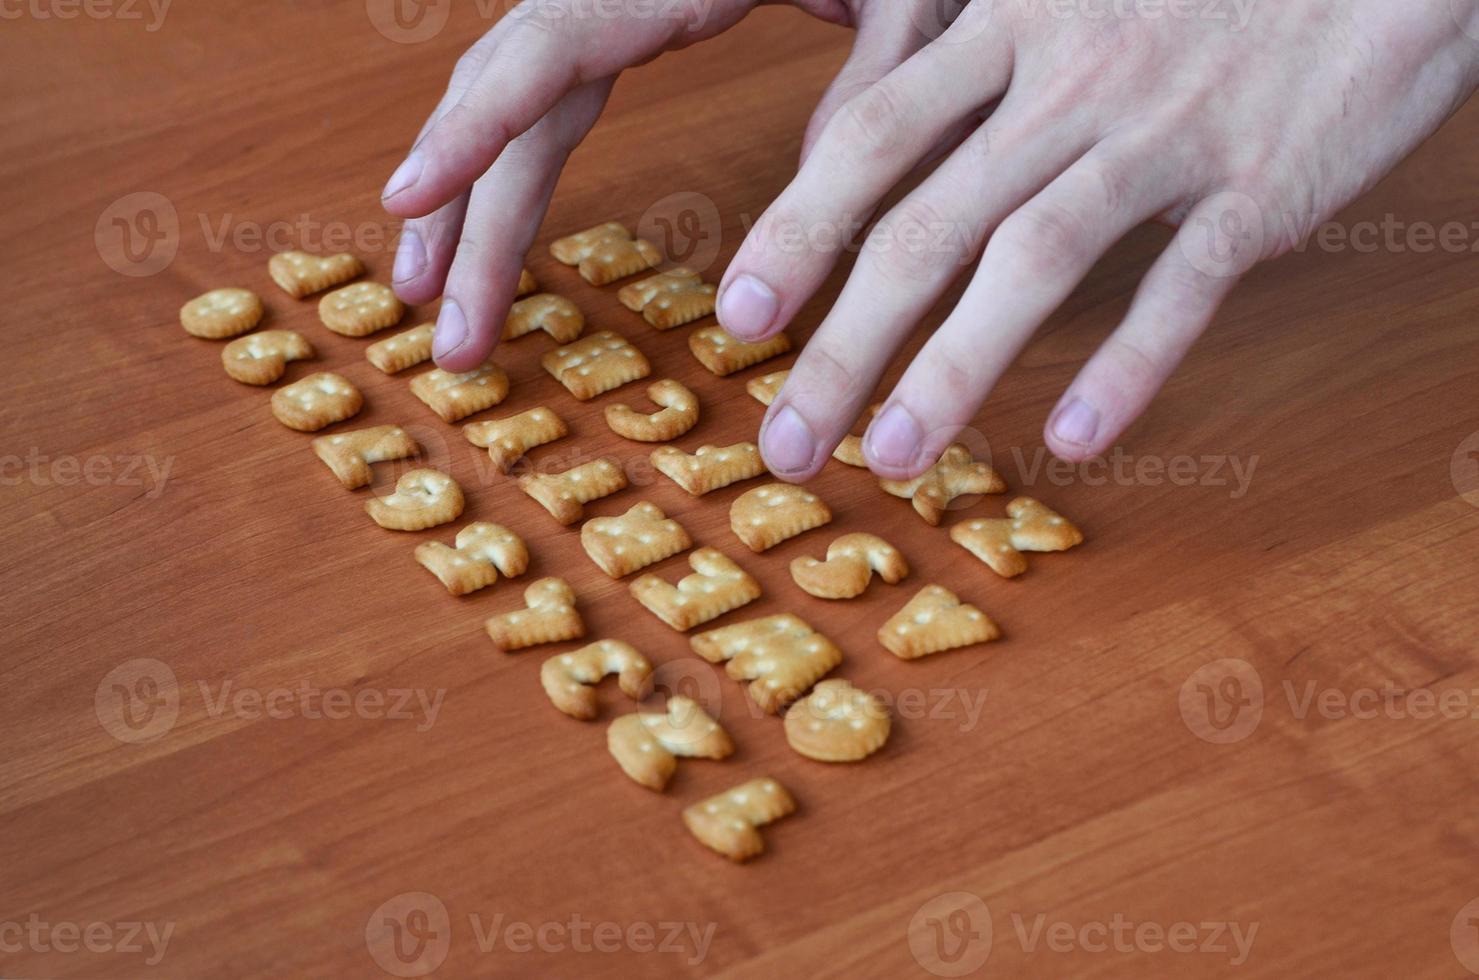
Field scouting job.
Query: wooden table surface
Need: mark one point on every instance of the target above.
(1284, 542)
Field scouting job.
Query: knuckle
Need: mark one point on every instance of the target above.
(1044, 237)
(873, 121)
(914, 243)
(1131, 368)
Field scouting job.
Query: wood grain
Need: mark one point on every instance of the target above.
(1343, 379)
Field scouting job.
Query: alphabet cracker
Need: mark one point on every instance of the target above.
(482, 551)
(300, 274)
(716, 586)
(555, 315)
(360, 309)
(508, 439)
(640, 537)
(670, 299)
(350, 454)
(780, 655)
(765, 516)
(647, 746)
(262, 358)
(565, 494)
(527, 283)
(456, 396)
(850, 449)
(221, 313)
(423, 498)
(727, 823)
(597, 364)
(723, 354)
(606, 253)
(405, 350)
(570, 678)
(1029, 526)
(837, 722)
(679, 413)
(316, 401)
(711, 468)
(955, 475)
(851, 561)
(933, 621)
(549, 616)
(764, 388)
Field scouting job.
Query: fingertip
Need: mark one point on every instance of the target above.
(788, 446)
(455, 345)
(893, 446)
(748, 308)
(1074, 430)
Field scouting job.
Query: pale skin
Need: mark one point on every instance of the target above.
(1048, 130)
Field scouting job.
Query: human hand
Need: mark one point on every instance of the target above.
(478, 181)
(1246, 136)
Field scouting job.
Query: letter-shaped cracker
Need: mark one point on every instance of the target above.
(606, 253)
(955, 475)
(555, 315)
(1029, 526)
(711, 468)
(527, 283)
(301, 274)
(405, 350)
(679, 414)
(261, 358)
(716, 586)
(670, 299)
(640, 537)
(764, 388)
(765, 516)
(837, 722)
(647, 746)
(361, 309)
(570, 679)
(221, 313)
(596, 364)
(851, 561)
(723, 354)
(727, 823)
(850, 449)
(423, 498)
(319, 400)
(565, 494)
(933, 621)
(483, 550)
(549, 616)
(508, 439)
(349, 454)
(781, 656)
(456, 396)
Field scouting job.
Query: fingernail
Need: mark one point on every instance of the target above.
(894, 438)
(748, 307)
(1076, 423)
(451, 331)
(410, 257)
(788, 444)
(405, 175)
